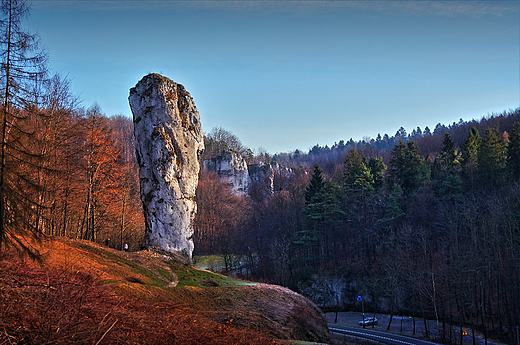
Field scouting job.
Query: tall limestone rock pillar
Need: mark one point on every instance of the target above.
(169, 142)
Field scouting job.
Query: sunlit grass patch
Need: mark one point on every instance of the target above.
(191, 276)
(154, 280)
(209, 262)
(165, 273)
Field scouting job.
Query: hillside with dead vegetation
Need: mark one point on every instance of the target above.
(83, 293)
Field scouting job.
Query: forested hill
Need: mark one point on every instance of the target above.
(429, 141)
(419, 224)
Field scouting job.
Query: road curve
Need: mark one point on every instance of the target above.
(382, 337)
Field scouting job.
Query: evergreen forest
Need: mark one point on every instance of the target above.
(424, 224)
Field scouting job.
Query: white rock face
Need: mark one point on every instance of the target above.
(257, 179)
(169, 142)
(264, 174)
(232, 170)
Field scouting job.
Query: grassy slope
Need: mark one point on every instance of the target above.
(84, 293)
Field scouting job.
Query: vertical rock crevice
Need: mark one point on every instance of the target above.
(169, 143)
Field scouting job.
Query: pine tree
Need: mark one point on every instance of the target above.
(451, 189)
(323, 219)
(470, 156)
(513, 152)
(407, 168)
(308, 239)
(357, 176)
(448, 155)
(415, 172)
(397, 162)
(401, 134)
(492, 158)
(393, 212)
(441, 163)
(377, 169)
(332, 220)
(315, 185)
(445, 171)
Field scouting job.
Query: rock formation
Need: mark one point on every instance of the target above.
(258, 179)
(232, 170)
(169, 142)
(264, 178)
(263, 173)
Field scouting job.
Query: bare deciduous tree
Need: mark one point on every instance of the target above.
(22, 72)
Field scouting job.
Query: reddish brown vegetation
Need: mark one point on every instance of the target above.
(82, 295)
(219, 216)
(79, 179)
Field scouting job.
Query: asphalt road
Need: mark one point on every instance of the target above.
(382, 337)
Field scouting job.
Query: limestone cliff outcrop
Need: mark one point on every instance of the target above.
(258, 178)
(232, 170)
(169, 142)
(263, 174)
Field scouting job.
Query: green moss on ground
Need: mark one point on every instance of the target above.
(190, 276)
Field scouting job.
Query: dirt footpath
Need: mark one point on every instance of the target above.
(405, 325)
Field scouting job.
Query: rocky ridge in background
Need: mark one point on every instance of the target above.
(264, 175)
(169, 142)
(234, 171)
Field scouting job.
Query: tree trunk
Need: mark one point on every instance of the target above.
(391, 318)
(123, 218)
(3, 139)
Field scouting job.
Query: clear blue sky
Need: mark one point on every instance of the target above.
(286, 75)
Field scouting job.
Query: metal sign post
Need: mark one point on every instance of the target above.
(359, 298)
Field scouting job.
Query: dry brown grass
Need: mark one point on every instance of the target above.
(87, 294)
